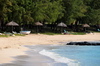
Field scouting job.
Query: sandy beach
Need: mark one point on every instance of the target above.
(14, 46)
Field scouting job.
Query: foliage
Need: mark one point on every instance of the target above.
(4, 9)
(93, 12)
(75, 9)
(50, 11)
(45, 10)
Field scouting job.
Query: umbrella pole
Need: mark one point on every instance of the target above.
(85, 29)
(37, 29)
(61, 29)
(12, 28)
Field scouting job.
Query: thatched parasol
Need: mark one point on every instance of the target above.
(12, 23)
(85, 25)
(62, 24)
(38, 24)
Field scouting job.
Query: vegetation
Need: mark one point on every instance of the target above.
(78, 33)
(8, 35)
(51, 33)
(71, 12)
(19, 34)
(3, 36)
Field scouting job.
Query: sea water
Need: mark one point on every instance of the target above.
(74, 55)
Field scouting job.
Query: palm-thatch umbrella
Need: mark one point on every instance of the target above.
(12, 23)
(38, 24)
(62, 25)
(85, 26)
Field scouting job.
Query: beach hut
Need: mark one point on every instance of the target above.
(61, 25)
(38, 24)
(12, 23)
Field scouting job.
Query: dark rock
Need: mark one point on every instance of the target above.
(83, 43)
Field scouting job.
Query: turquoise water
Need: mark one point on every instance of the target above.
(82, 55)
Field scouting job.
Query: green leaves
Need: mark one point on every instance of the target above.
(45, 10)
(93, 12)
(74, 9)
(68, 11)
(4, 9)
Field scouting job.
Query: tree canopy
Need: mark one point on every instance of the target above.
(50, 11)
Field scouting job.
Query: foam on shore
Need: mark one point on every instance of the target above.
(58, 58)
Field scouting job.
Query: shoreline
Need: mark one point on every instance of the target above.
(34, 57)
(14, 46)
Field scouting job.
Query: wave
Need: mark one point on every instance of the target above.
(58, 58)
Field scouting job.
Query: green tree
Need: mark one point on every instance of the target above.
(55, 11)
(48, 10)
(93, 12)
(4, 9)
(21, 11)
(39, 9)
(74, 10)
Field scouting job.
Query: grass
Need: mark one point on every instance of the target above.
(48, 33)
(73, 33)
(3, 35)
(10, 35)
(97, 31)
(51, 33)
(19, 34)
(78, 33)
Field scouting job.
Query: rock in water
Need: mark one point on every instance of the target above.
(83, 43)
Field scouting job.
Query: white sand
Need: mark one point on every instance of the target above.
(13, 46)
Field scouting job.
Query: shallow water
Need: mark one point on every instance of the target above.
(81, 55)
